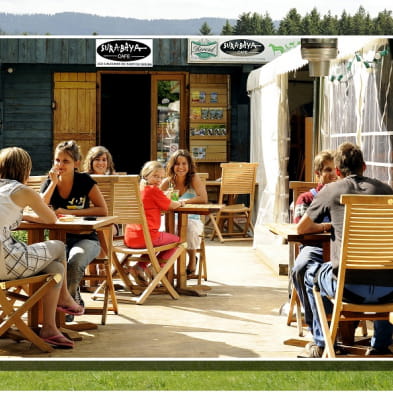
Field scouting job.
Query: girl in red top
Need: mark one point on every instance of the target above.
(154, 202)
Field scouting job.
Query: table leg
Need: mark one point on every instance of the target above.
(182, 287)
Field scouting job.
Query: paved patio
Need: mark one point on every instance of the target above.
(238, 319)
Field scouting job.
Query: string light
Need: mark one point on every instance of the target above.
(358, 58)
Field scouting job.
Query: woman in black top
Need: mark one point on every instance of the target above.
(71, 192)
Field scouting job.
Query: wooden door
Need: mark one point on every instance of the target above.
(74, 114)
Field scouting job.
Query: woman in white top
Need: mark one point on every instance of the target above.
(21, 260)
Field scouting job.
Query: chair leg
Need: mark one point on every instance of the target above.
(202, 268)
(216, 229)
(161, 277)
(295, 301)
(329, 347)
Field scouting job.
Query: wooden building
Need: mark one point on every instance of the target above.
(54, 89)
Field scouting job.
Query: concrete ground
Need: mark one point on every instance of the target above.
(238, 319)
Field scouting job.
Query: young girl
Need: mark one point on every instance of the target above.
(70, 192)
(154, 201)
(99, 161)
(22, 260)
(182, 176)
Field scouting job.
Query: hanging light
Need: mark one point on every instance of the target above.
(319, 52)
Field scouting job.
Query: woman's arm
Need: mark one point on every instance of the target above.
(28, 197)
(47, 194)
(200, 190)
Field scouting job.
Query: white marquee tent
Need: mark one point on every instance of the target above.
(267, 88)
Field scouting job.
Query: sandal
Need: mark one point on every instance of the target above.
(192, 272)
(70, 310)
(57, 341)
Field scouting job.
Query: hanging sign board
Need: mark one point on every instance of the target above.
(238, 49)
(124, 53)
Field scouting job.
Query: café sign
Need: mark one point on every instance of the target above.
(236, 49)
(124, 53)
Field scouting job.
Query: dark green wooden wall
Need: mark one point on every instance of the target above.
(26, 94)
(166, 51)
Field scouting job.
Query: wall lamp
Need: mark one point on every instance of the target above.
(10, 70)
(319, 52)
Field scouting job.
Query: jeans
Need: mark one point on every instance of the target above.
(80, 252)
(307, 254)
(383, 330)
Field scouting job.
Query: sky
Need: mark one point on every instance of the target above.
(187, 9)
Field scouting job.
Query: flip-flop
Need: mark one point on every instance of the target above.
(70, 310)
(55, 341)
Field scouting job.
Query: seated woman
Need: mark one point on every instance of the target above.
(70, 192)
(22, 260)
(181, 175)
(99, 161)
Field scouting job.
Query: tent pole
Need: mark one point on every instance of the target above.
(316, 138)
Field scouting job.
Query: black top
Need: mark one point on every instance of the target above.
(77, 199)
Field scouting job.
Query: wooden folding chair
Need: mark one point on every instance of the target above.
(100, 270)
(129, 208)
(367, 244)
(14, 303)
(237, 178)
(35, 182)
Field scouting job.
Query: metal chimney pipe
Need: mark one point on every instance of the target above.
(319, 52)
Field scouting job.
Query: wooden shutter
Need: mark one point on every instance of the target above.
(74, 115)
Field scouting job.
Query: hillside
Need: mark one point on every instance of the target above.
(72, 23)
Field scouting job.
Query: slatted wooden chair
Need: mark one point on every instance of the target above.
(237, 178)
(129, 208)
(367, 244)
(15, 303)
(35, 182)
(295, 308)
(100, 270)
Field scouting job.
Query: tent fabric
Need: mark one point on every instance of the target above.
(356, 108)
(267, 88)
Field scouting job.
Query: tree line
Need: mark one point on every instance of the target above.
(311, 24)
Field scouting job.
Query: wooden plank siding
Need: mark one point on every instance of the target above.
(28, 115)
(166, 51)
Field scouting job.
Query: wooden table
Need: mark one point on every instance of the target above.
(182, 221)
(58, 231)
(289, 233)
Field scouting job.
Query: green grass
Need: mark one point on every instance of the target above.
(196, 380)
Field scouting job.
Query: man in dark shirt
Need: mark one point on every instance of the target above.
(350, 167)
